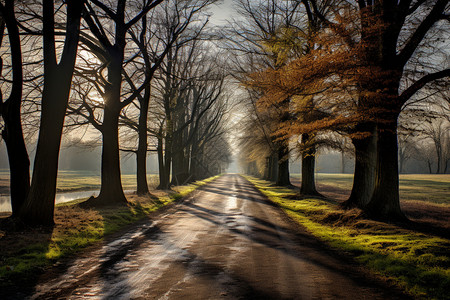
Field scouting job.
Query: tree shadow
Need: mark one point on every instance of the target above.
(22, 257)
(272, 235)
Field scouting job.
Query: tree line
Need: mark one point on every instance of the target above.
(356, 76)
(139, 73)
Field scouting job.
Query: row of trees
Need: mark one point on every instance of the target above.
(139, 72)
(324, 70)
(424, 134)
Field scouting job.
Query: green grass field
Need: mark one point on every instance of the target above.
(431, 188)
(84, 180)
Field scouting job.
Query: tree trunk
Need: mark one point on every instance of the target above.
(193, 166)
(274, 167)
(385, 201)
(445, 167)
(429, 165)
(364, 174)
(39, 206)
(141, 154)
(162, 170)
(19, 162)
(165, 165)
(438, 155)
(179, 166)
(283, 178)
(111, 191)
(267, 168)
(308, 186)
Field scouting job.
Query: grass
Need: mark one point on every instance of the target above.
(429, 188)
(25, 254)
(417, 262)
(69, 181)
(74, 180)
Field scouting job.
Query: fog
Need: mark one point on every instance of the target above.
(82, 159)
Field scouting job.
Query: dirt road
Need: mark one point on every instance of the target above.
(225, 242)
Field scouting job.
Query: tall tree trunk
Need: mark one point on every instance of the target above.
(179, 175)
(274, 167)
(267, 168)
(283, 178)
(111, 191)
(39, 206)
(308, 186)
(161, 167)
(342, 162)
(193, 166)
(177, 166)
(164, 177)
(385, 201)
(429, 165)
(141, 154)
(365, 165)
(438, 155)
(19, 162)
(445, 167)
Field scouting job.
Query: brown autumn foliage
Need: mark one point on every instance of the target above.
(354, 77)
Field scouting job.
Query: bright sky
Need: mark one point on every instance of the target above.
(221, 12)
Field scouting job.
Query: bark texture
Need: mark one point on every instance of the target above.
(39, 206)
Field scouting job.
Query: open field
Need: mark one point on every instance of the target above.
(69, 181)
(431, 188)
(415, 259)
(424, 198)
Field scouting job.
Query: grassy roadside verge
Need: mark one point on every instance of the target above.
(417, 262)
(25, 254)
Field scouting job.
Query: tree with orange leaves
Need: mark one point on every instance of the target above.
(359, 78)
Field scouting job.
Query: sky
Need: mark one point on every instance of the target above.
(221, 12)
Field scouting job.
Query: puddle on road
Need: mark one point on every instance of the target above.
(231, 203)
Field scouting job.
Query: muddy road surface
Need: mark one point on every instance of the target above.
(225, 242)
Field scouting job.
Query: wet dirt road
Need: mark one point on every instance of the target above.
(225, 242)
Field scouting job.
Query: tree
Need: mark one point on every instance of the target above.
(111, 54)
(371, 48)
(39, 206)
(189, 85)
(168, 25)
(436, 132)
(257, 34)
(387, 62)
(10, 110)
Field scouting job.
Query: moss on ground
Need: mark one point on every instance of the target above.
(417, 262)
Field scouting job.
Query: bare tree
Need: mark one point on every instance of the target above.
(166, 26)
(10, 110)
(109, 46)
(39, 206)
